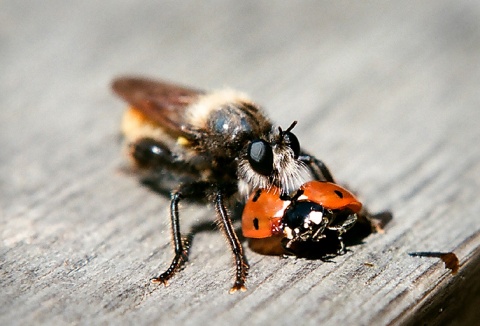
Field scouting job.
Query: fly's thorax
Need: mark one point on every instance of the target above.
(227, 120)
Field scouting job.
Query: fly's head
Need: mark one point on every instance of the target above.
(272, 162)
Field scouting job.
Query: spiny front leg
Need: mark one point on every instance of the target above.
(319, 170)
(240, 263)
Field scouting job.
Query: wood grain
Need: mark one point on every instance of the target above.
(385, 93)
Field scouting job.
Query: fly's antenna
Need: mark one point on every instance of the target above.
(282, 133)
(294, 123)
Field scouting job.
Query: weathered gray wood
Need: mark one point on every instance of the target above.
(386, 94)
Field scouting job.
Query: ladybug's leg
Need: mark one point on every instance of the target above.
(193, 190)
(317, 167)
(341, 250)
(240, 263)
(346, 224)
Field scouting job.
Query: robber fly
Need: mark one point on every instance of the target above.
(221, 146)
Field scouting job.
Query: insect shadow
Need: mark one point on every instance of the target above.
(325, 250)
(328, 248)
(367, 224)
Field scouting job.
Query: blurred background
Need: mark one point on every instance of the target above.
(385, 93)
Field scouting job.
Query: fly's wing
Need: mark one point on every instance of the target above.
(162, 102)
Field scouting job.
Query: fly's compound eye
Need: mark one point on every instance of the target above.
(260, 156)
(292, 141)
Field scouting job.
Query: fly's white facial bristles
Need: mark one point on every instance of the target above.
(249, 179)
(290, 172)
(199, 111)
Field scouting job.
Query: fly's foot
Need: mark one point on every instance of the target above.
(240, 278)
(238, 286)
(158, 280)
(177, 262)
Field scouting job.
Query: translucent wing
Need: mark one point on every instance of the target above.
(162, 102)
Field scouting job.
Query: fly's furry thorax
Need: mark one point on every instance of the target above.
(228, 119)
(198, 113)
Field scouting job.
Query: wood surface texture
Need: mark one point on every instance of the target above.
(387, 94)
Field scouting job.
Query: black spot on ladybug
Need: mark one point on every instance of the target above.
(338, 193)
(255, 223)
(257, 195)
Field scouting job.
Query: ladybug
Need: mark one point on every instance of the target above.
(317, 213)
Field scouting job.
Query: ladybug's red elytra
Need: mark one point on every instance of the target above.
(276, 223)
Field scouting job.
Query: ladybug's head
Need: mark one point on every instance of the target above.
(305, 221)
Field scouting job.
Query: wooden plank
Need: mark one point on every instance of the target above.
(386, 94)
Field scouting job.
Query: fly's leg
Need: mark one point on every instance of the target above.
(181, 254)
(240, 263)
(317, 167)
(194, 190)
